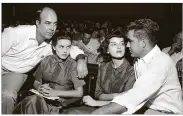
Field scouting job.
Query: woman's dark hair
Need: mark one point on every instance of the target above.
(58, 36)
(61, 35)
(104, 45)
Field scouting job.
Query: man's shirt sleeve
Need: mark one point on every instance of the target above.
(9, 38)
(144, 88)
(75, 51)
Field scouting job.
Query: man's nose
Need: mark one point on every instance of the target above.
(52, 27)
(65, 50)
(119, 46)
(128, 44)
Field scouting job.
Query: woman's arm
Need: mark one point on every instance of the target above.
(78, 92)
(88, 100)
(108, 96)
(37, 84)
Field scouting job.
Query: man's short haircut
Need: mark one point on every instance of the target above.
(38, 13)
(88, 31)
(104, 29)
(144, 28)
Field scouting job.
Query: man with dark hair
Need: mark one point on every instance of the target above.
(23, 47)
(157, 89)
(89, 46)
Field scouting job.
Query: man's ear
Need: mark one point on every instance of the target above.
(143, 43)
(37, 23)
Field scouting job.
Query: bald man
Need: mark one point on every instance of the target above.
(23, 47)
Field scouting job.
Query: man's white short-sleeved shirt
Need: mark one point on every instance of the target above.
(157, 85)
(20, 49)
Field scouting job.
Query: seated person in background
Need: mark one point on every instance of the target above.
(114, 77)
(89, 46)
(95, 34)
(56, 76)
(102, 34)
(175, 50)
(157, 88)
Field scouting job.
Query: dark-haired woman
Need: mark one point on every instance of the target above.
(55, 77)
(114, 77)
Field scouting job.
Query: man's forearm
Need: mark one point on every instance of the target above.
(75, 51)
(81, 66)
(111, 108)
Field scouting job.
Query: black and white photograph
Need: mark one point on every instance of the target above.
(91, 58)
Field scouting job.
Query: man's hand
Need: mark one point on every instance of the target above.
(82, 68)
(88, 100)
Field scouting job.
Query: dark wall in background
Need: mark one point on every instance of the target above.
(168, 15)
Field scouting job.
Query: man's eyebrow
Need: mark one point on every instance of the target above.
(51, 22)
(47, 21)
(112, 42)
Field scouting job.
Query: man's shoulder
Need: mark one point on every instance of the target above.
(162, 59)
(21, 30)
(21, 27)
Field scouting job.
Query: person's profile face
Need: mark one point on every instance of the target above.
(102, 33)
(95, 34)
(116, 47)
(63, 48)
(86, 36)
(178, 42)
(97, 25)
(47, 24)
(68, 29)
(133, 44)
